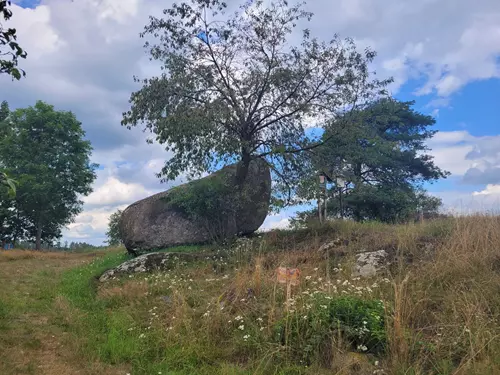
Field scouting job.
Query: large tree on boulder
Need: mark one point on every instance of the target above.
(237, 87)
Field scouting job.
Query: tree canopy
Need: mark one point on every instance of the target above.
(237, 87)
(45, 152)
(10, 51)
(377, 164)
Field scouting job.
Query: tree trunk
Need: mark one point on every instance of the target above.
(357, 176)
(325, 215)
(243, 166)
(38, 242)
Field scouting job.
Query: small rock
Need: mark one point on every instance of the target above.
(370, 263)
(333, 244)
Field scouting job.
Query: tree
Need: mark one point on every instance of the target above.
(235, 87)
(46, 153)
(8, 38)
(5, 180)
(113, 232)
(382, 160)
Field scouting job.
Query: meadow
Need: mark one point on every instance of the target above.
(434, 310)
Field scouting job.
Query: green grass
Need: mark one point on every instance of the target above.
(440, 313)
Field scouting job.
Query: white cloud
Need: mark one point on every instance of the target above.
(468, 203)
(490, 190)
(269, 223)
(453, 158)
(113, 191)
(475, 159)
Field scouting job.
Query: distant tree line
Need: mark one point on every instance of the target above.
(57, 246)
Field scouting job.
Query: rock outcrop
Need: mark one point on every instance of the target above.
(369, 264)
(155, 223)
(152, 262)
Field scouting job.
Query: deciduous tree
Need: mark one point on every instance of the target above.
(10, 51)
(113, 232)
(236, 87)
(46, 153)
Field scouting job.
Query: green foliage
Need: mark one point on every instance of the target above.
(45, 152)
(360, 322)
(381, 158)
(9, 184)
(210, 202)
(113, 233)
(233, 90)
(8, 39)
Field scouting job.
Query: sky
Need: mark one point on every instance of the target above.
(443, 54)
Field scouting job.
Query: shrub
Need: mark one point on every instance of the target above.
(309, 333)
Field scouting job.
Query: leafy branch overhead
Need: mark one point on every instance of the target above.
(10, 51)
(245, 85)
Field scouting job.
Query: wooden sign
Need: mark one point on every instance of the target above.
(289, 276)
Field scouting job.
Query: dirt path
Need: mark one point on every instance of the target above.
(30, 340)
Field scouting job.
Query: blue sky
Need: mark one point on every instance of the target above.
(444, 54)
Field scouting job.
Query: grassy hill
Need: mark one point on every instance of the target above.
(435, 310)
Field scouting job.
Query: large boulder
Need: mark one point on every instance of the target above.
(163, 220)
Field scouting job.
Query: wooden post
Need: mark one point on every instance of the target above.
(288, 295)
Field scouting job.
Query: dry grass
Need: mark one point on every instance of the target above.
(15, 254)
(441, 295)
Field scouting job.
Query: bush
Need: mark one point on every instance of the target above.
(360, 323)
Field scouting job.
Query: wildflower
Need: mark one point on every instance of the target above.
(308, 277)
(304, 317)
(241, 327)
(246, 337)
(261, 328)
(376, 363)
(259, 319)
(206, 314)
(363, 348)
(316, 269)
(142, 335)
(238, 318)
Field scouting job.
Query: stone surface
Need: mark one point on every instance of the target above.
(152, 262)
(332, 245)
(370, 263)
(152, 223)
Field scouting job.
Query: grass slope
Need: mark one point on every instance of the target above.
(436, 311)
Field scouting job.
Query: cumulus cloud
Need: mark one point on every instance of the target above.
(476, 160)
(467, 203)
(113, 191)
(82, 55)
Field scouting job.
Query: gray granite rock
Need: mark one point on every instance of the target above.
(152, 223)
(152, 262)
(369, 264)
